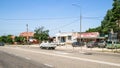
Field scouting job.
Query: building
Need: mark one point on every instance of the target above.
(66, 37)
(28, 36)
(69, 37)
(25, 34)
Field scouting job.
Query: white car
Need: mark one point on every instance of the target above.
(47, 45)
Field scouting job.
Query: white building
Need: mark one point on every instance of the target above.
(64, 37)
(69, 37)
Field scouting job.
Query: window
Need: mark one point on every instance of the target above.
(69, 37)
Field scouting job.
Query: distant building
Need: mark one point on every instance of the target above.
(25, 34)
(69, 37)
(28, 36)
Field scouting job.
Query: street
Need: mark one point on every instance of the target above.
(34, 57)
(12, 61)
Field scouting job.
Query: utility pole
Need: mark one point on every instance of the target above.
(80, 23)
(27, 32)
(80, 27)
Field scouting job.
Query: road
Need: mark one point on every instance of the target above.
(26, 56)
(12, 61)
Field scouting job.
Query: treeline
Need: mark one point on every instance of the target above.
(40, 34)
(10, 39)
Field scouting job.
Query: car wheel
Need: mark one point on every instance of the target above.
(47, 48)
(53, 48)
(41, 47)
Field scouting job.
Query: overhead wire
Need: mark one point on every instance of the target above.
(50, 18)
(64, 25)
(57, 28)
(37, 18)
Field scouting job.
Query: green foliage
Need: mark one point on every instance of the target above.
(6, 39)
(110, 20)
(9, 39)
(19, 39)
(98, 29)
(116, 10)
(3, 39)
(41, 34)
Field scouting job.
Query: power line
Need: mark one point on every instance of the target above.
(38, 18)
(64, 25)
(49, 18)
(95, 18)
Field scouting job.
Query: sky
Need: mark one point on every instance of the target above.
(54, 15)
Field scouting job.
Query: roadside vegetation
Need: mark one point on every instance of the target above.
(110, 21)
(6, 39)
(40, 34)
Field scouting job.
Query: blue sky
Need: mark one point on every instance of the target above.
(55, 15)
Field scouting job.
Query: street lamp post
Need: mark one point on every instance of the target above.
(80, 22)
(27, 33)
(80, 27)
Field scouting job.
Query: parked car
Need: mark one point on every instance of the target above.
(90, 44)
(113, 45)
(2, 43)
(77, 44)
(102, 44)
(47, 45)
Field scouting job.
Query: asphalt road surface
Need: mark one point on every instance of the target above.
(34, 57)
(11, 61)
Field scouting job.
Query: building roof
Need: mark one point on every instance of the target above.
(25, 34)
(64, 34)
(80, 34)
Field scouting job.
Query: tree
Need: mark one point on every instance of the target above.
(97, 29)
(6, 39)
(41, 34)
(110, 20)
(9, 39)
(116, 10)
(20, 39)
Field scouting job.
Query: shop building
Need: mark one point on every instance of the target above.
(69, 37)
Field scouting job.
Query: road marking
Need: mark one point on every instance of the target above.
(59, 52)
(27, 58)
(71, 57)
(48, 65)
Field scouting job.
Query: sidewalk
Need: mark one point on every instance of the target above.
(85, 49)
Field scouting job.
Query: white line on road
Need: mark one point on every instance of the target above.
(27, 58)
(48, 65)
(58, 52)
(71, 57)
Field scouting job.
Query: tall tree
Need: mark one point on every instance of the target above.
(41, 34)
(110, 20)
